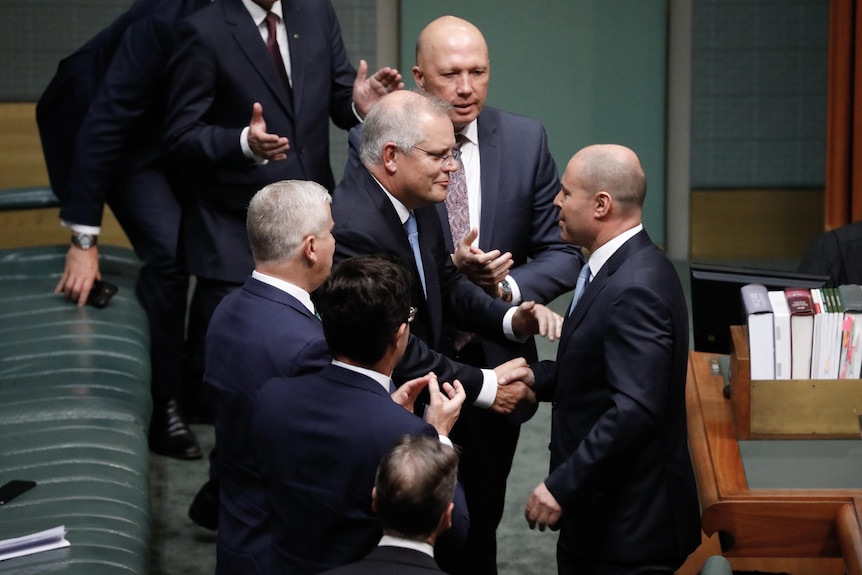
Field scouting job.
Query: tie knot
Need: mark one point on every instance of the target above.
(271, 21)
(460, 139)
(410, 224)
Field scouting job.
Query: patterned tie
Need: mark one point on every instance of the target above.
(457, 201)
(275, 52)
(581, 286)
(413, 238)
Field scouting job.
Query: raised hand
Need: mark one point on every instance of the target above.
(445, 405)
(485, 269)
(263, 144)
(366, 91)
(407, 393)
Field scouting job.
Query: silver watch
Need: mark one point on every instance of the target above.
(84, 241)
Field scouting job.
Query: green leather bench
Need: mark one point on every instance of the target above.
(74, 412)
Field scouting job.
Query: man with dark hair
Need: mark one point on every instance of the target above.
(319, 438)
(412, 496)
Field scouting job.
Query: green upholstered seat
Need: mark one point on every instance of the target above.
(74, 411)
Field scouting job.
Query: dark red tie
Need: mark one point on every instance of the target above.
(274, 50)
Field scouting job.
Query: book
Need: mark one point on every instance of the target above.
(833, 344)
(761, 341)
(851, 343)
(819, 333)
(33, 543)
(781, 332)
(801, 331)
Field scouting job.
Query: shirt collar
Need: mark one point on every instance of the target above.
(604, 253)
(287, 287)
(471, 132)
(383, 380)
(403, 212)
(392, 541)
(258, 14)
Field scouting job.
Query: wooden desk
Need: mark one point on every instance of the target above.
(760, 522)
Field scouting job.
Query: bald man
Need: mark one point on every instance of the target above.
(621, 488)
(501, 229)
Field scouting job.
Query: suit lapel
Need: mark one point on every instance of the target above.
(249, 41)
(635, 243)
(426, 221)
(490, 160)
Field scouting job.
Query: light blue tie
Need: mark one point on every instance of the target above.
(413, 238)
(581, 286)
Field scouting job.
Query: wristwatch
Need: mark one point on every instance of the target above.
(84, 241)
(505, 291)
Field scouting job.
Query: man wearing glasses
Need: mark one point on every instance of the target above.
(387, 205)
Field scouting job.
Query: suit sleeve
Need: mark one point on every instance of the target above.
(343, 75)
(189, 138)
(132, 89)
(553, 266)
(638, 356)
(419, 359)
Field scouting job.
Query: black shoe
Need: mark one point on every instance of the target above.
(204, 508)
(169, 434)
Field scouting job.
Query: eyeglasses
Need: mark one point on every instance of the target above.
(455, 155)
(411, 314)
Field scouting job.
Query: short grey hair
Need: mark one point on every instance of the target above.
(283, 213)
(397, 122)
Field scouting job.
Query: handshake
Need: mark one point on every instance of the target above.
(515, 397)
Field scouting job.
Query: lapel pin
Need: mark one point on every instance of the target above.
(296, 36)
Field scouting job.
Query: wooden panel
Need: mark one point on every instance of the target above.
(21, 165)
(754, 224)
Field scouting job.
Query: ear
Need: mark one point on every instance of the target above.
(446, 519)
(309, 248)
(374, 499)
(403, 331)
(390, 152)
(603, 203)
(419, 77)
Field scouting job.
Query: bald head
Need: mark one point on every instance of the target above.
(452, 63)
(613, 168)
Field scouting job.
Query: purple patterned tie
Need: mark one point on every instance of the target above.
(274, 50)
(457, 201)
(458, 209)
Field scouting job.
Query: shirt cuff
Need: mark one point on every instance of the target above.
(445, 440)
(355, 113)
(82, 229)
(516, 291)
(488, 393)
(246, 149)
(508, 330)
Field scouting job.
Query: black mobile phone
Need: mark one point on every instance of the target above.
(13, 489)
(101, 293)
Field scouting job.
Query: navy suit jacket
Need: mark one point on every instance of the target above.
(257, 333)
(366, 223)
(319, 439)
(620, 465)
(388, 560)
(221, 67)
(79, 81)
(519, 184)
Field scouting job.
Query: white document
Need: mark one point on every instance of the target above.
(34, 543)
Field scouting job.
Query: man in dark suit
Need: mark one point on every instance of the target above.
(319, 438)
(412, 496)
(500, 226)
(407, 158)
(621, 488)
(263, 330)
(100, 124)
(224, 72)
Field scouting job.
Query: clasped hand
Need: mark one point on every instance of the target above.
(445, 402)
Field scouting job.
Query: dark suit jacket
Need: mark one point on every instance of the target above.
(366, 223)
(220, 69)
(620, 466)
(319, 439)
(121, 132)
(257, 333)
(388, 560)
(519, 183)
(65, 101)
(836, 253)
